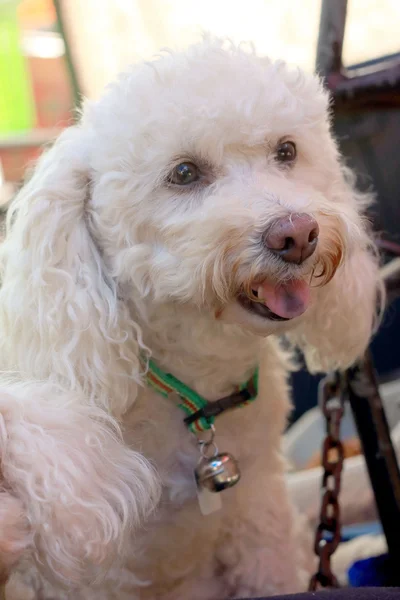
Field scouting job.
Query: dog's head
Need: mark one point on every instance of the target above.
(217, 183)
(208, 177)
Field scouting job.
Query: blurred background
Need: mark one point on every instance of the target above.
(53, 52)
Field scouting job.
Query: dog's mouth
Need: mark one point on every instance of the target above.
(277, 301)
(259, 309)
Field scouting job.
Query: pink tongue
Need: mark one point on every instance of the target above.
(286, 300)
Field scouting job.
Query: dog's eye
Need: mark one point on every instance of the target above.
(286, 152)
(184, 174)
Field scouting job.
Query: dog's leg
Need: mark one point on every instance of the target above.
(82, 489)
(266, 549)
(14, 535)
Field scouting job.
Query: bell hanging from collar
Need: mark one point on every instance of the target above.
(218, 472)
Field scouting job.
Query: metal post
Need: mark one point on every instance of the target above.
(68, 57)
(383, 469)
(331, 35)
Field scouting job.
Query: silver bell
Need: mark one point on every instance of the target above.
(218, 472)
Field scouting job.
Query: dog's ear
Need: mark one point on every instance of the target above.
(60, 315)
(346, 311)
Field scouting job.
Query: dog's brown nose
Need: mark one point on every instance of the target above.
(293, 238)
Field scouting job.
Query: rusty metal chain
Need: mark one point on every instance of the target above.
(328, 532)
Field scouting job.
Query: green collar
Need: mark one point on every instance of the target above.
(200, 413)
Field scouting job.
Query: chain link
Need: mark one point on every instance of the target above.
(328, 532)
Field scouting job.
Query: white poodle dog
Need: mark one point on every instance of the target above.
(196, 213)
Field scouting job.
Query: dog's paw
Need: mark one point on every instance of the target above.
(85, 492)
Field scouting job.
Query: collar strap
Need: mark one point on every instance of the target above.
(200, 413)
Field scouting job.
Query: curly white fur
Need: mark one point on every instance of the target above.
(105, 262)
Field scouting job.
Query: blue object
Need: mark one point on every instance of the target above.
(353, 531)
(349, 532)
(378, 571)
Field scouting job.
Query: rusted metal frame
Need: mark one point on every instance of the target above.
(374, 83)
